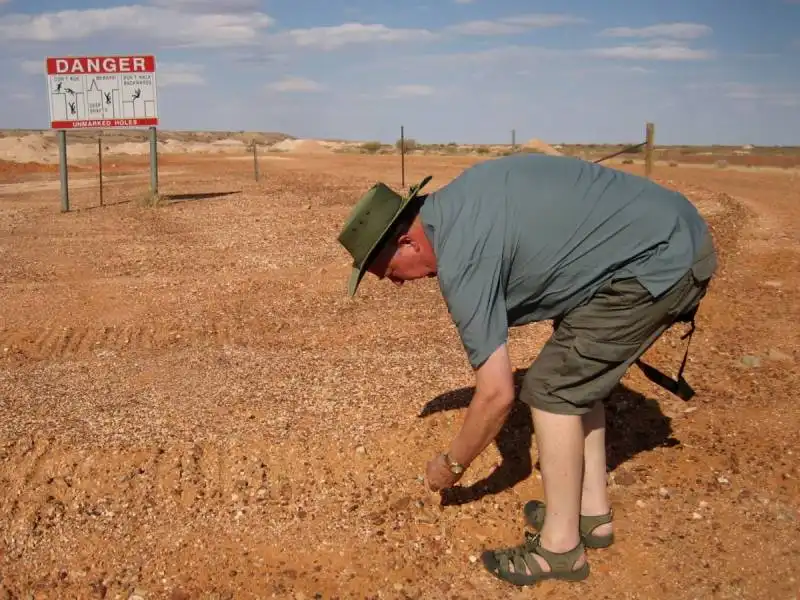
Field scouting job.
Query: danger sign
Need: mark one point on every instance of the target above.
(101, 64)
(102, 91)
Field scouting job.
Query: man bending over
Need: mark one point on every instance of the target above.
(611, 258)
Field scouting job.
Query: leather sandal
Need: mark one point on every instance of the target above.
(518, 565)
(535, 512)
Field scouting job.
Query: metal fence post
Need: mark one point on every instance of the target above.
(403, 156)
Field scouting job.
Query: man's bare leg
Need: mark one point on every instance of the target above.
(560, 441)
(594, 500)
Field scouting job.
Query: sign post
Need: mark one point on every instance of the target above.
(153, 163)
(62, 170)
(102, 92)
(100, 165)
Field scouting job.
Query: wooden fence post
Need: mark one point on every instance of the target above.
(648, 157)
(255, 159)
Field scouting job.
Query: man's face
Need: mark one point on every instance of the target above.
(402, 260)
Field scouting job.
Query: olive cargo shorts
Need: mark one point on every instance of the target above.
(594, 345)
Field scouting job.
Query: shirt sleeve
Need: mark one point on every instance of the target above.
(474, 294)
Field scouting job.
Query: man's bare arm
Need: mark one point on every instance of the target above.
(491, 404)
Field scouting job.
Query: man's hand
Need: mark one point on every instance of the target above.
(439, 475)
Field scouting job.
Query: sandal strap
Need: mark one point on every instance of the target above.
(558, 561)
(520, 557)
(535, 512)
(589, 524)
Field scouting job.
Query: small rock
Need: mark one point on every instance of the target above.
(402, 503)
(625, 478)
(235, 498)
(703, 504)
(751, 361)
(778, 356)
(398, 587)
(690, 410)
(361, 450)
(723, 480)
(473, 559)
(664, 493)
(773, 284)
(640, 504)
(697, 516)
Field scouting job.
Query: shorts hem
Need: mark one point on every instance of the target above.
(555, 405)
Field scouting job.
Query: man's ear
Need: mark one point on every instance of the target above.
(406, 240)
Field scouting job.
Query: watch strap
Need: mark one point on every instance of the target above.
(455, 467)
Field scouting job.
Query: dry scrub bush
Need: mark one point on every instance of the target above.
(410, 144)
(150, 200)
(371, 147)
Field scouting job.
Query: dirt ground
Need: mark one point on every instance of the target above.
(191, 407)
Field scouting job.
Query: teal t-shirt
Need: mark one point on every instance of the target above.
(528, 237)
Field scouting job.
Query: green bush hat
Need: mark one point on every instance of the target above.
(370, 223)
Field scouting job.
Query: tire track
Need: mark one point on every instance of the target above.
(45, 482)
(58, 341)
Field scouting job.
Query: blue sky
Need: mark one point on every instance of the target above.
(705, 71)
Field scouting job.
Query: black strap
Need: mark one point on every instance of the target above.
(679, 386)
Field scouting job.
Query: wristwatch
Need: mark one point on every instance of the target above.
(455, 467)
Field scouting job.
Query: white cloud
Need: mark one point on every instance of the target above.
(509, 54)
(329, 38)
(409, 90)
(666, 52)
(512, 25)
(295, 84)
(758, 93)
(136, 21)
(456, 1)
(210, 6)
(749, 92)
(681, 31)
(172, 74)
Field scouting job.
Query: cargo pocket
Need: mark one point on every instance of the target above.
(591, 370)
(606, 351)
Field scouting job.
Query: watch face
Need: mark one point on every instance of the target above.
(454, 467)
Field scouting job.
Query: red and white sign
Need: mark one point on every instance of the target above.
(102, 91)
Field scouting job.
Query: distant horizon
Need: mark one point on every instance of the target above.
(351, 140)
